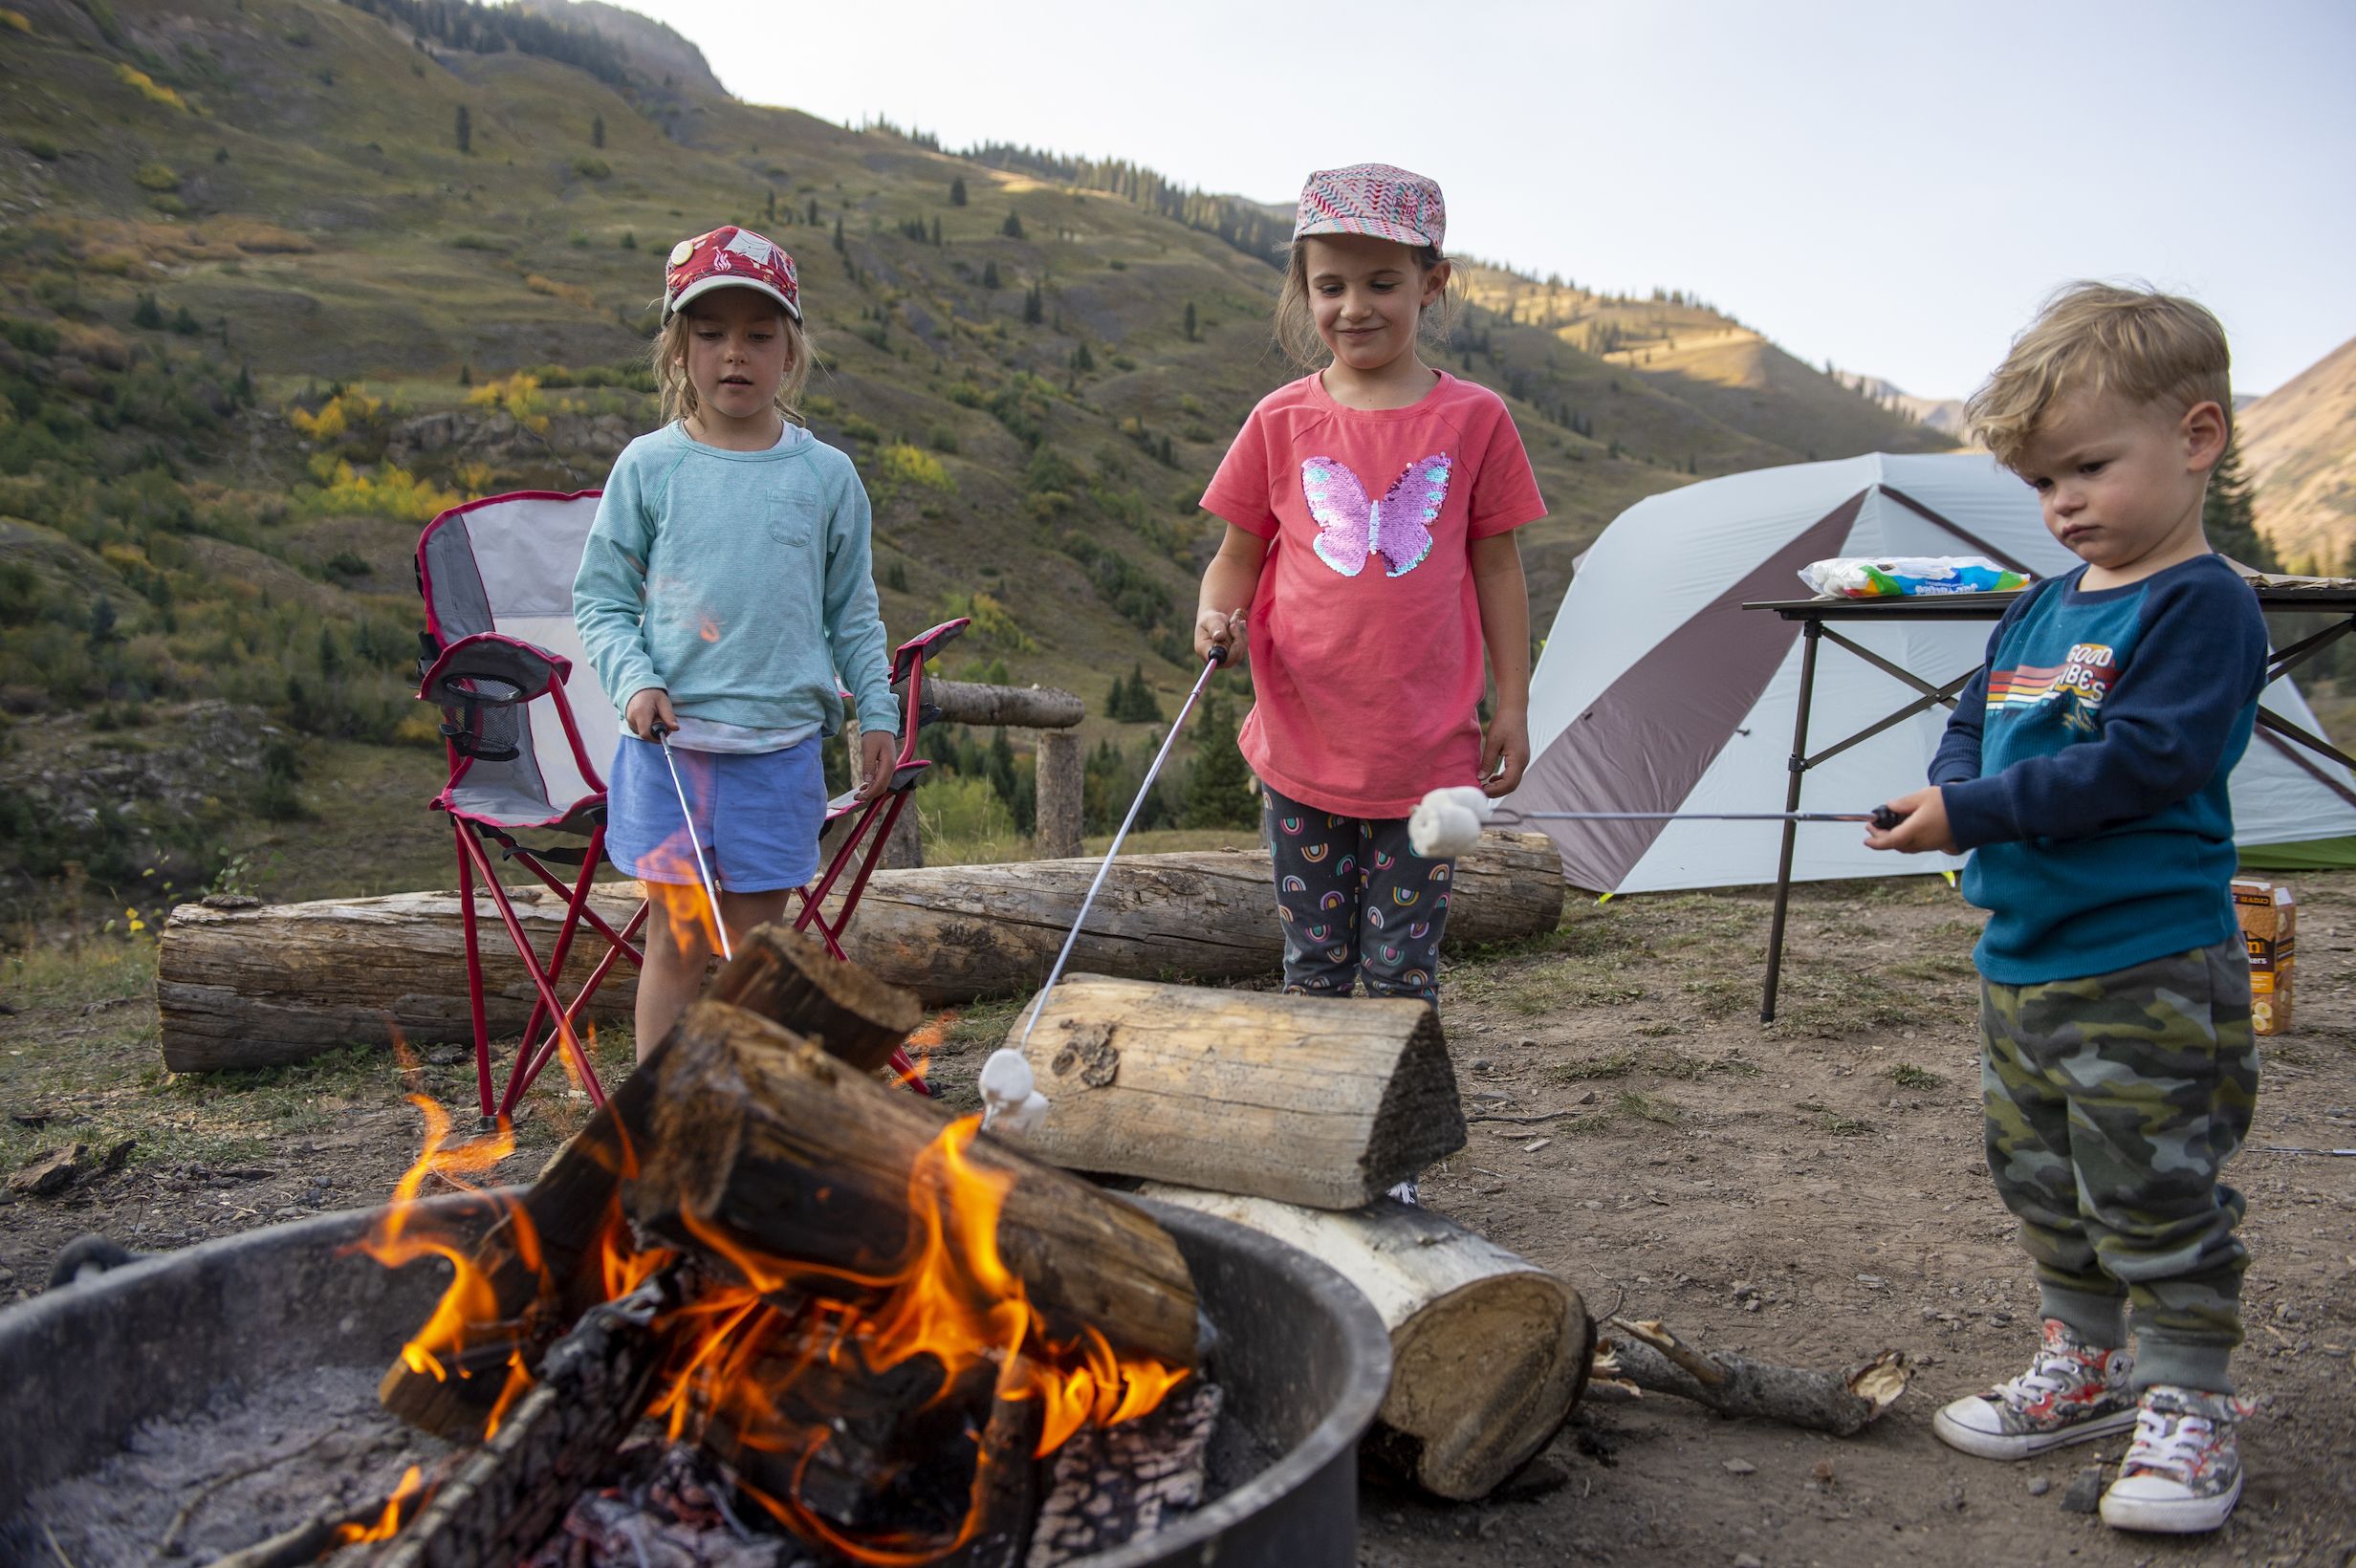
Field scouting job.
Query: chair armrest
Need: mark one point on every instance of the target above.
(475, 678)
(924, 645)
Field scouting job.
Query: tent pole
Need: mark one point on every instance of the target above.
(1814, 630)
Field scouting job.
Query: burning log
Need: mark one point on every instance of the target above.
(783, 975)
(761, 1143)
(1842, 1404)
(256, 988)
(1489, 1352)
(1115, 1484)
(546, 1259)
(1292, 1098)
(501, 1501)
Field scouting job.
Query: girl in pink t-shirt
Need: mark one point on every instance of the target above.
(1369, 509)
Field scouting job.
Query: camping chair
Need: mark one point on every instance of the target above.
(499, 656)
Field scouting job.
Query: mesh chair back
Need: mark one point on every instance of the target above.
(504, 566)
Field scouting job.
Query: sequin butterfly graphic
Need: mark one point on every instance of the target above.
(1352, 525)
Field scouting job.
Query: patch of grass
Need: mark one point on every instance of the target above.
(1656, 1109)
(1845, 1126)
(1663, 1027)
(1935, 966)
(1907, 1076)
(1618, 1064)
(1687, 1069)
(1721, 994)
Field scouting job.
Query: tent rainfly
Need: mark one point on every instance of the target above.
(1657, 691)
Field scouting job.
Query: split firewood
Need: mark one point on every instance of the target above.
(791, 978)
(1291, 1097)
(1114, 1485)
(1648, 1356)
(1489, 1352)
(261, 987)
(759, 1139)
(545, 1261)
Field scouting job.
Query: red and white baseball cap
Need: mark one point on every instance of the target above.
(729, 257)
(1374, 199)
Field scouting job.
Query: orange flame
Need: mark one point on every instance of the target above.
(675, 885)
(395, 1240)
(397, 1507)
(951, 1298)
(734, 1353)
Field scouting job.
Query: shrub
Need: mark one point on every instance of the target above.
(593, 168)
(155, 176)
(146, 87)
(901, 464)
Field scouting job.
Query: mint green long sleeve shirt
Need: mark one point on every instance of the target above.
(740, 582)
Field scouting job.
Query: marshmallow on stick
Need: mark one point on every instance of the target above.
(1448, 822)
(1009, 1101)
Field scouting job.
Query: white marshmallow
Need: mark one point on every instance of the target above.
(1448, 822)
(1011, 1101)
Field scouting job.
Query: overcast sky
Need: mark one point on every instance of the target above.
(1891, 187)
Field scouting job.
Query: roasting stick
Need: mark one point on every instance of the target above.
(1216, 657)
(662, 733)
(1448, 821)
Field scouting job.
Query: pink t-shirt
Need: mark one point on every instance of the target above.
(1365, 634)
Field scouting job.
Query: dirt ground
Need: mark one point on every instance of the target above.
(1810, 1191)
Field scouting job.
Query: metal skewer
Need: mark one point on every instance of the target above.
(1881, 817)
(662, 733)
(1216, 657)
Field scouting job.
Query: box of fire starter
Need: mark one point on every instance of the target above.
(2270, 931)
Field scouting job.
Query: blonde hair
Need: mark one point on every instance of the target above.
(670, 355)
(2090, 338)
(1296, 324)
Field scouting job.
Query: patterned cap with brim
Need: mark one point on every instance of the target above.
(1374, 199)
(729, 259)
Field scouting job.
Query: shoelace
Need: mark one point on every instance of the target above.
(2052, 1371)
(2157, 1447)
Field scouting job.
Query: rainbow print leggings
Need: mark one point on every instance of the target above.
(1357, 903)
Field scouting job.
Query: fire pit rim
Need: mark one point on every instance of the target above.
(1312, 1458)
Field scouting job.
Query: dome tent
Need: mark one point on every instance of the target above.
(1657, 691)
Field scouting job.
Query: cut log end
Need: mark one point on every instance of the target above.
(1481, 1379)
(779, 973)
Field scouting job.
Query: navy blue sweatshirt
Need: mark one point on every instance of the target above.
(2085, 768)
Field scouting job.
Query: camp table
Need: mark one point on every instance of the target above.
(2337, 599)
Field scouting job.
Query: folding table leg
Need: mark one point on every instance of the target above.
(1791, 803)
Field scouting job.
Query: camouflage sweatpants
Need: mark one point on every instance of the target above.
(2111, 1102)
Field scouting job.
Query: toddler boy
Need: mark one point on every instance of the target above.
(2085, 771)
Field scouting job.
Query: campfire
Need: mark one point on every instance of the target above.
(766, 1308)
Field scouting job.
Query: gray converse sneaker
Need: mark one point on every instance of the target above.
(2183, 1474)
(2072, 1392)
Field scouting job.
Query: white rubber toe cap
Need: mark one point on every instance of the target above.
(2155, 1503)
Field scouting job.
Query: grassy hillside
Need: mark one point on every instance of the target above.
(2300, 442)
(282, 277)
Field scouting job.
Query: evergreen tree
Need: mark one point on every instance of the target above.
(990, 275)
(245, 383)
(1116, 700)
(101, 622)
(1011, 228)
(957, 191)
(769, 215)
(1035, 305)
(839, 245)
(185, 324)
(896, 577)
(1190, 321)
(597, 133)
(1217, 791)
(936, 228)
(1082, 359)
(466, 130)
(147, 313)
(2230, 518)
(813, 212)
(466, 373)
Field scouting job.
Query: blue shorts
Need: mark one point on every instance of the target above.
(757, 816)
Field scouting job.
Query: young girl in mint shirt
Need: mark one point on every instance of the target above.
(726, 588)
(1370, 508)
